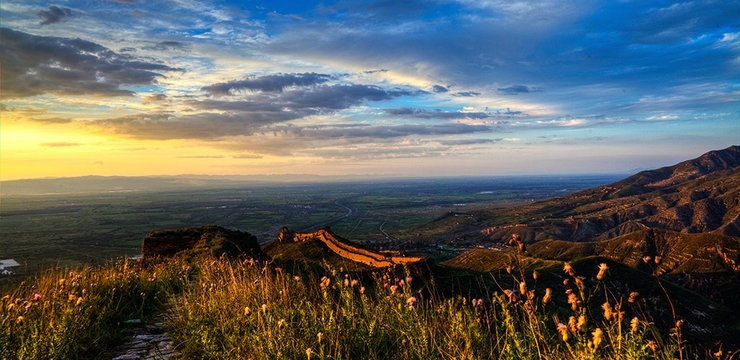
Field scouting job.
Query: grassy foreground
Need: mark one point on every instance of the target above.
(226, 309)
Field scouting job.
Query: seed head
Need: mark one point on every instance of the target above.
(547, 297)
(581, 325)
(563, 330)
(634, 324)
(572, 324)
(633, 296)
(602, 271)
(608, 314)
(569, 269)
(597, 337)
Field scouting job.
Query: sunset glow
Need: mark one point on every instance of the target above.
(364, 88)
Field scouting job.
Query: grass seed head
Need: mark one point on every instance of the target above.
(597, 337)
(547, 297)
(602, 271)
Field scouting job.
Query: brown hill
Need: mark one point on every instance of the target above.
(695, 196)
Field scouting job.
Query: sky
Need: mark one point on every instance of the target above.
(364, 88)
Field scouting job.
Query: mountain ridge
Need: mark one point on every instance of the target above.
(699, 195)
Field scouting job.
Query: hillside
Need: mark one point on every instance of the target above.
(695, 196)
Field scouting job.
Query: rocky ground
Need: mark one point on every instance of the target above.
(147, 342)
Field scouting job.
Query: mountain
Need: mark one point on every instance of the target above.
(695, 196)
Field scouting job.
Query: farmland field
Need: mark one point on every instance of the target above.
(69, 228)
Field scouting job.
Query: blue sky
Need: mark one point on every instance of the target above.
(366, 88)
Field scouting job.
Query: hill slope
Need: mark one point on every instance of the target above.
(695, 196)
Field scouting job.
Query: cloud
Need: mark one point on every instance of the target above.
(466, 94)
(57, 144)
(662, 117)
(150, 99)
(376, 132)
(35, 65)
(204, 126)
(439, 89)
(435, 114)
(284, 97)
(167, 45)
(463, 142)
(266, 83)
(55, 14)
(200, 157)
(516, 90)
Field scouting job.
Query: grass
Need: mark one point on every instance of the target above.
(241, 308)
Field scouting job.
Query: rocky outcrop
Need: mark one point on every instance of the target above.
(210, 239)
(343, 248)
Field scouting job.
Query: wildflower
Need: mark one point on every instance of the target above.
(247, 310)
(608, 314)
(264, 307)
(569, 269)
(547, 297)
(19, 320)
(71, 297)
(362, 289)
(535, 275)
(634, 324)
(320, 336)
(477, 302)
(27, 305)
(572, 325)
(354, 283)
(602, 271)
(633, 296)
(511, 295)
(563, 330)
(653, 345)
(281, 323)
(308, 353)
(572, 300)
(79, 301)
(36, 297)
(325, 281)
(523, 288)
(597, 337)
(411, 301)
(408, 279)
(393, 289)
(297, 278)
(61, 282)
(581, 325)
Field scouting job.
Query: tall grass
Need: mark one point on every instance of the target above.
(77, 313)
(245, 309)
(253, 311)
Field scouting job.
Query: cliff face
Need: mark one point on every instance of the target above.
(343, 248)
